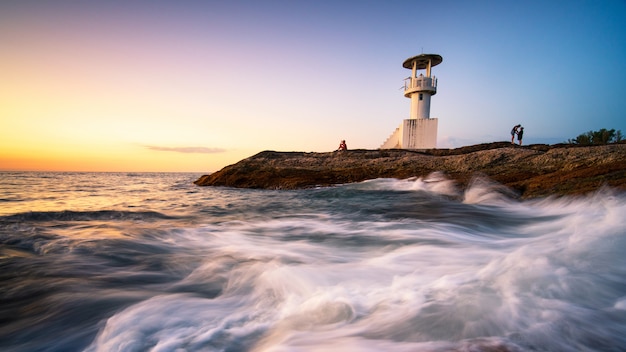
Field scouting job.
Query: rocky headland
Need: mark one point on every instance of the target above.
(531, 171)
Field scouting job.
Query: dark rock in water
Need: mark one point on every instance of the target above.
(533, 171)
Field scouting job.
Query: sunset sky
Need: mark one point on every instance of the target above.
(197, 85)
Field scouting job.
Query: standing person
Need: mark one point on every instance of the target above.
(342, 145)
(514, 132)
(520, 134)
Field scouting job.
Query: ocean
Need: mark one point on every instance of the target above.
(151, 262)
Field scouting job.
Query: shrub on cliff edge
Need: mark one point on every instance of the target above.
(602, 136)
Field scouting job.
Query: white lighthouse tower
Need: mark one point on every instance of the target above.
(419, 131)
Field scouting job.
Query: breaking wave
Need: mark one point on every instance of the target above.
(67, 215)
(402, 265)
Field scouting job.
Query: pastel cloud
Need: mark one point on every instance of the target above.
(197, 150)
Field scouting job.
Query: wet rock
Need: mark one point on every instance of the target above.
(532, 171)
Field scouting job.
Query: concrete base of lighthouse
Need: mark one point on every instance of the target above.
(413, 134)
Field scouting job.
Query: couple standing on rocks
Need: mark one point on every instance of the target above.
(519, 131)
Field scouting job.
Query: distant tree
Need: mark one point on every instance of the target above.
(602, 136)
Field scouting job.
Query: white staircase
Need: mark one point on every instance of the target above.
(393, 142)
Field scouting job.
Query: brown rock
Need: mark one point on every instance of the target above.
(533, 171)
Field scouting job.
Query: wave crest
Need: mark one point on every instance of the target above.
(69, 215)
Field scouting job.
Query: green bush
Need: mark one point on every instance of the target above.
(602, 136)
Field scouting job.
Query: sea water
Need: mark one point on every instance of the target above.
(151, 262)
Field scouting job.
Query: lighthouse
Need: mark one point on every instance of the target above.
(419, 131)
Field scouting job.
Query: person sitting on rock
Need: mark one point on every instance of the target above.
(342, 145)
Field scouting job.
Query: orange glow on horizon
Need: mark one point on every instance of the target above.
(140, 159)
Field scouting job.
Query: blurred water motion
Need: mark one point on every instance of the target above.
(150, 262)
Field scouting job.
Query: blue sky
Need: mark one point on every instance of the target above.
(197, 85)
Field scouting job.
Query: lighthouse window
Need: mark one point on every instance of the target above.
(421, 96)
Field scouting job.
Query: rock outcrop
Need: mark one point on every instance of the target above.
(533, 171)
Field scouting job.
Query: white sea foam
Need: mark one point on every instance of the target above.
(520, 292)
(402, 265)
(436, 183)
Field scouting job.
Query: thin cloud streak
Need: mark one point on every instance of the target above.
(199, 150)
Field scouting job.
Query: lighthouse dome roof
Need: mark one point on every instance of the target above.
(422, 61)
